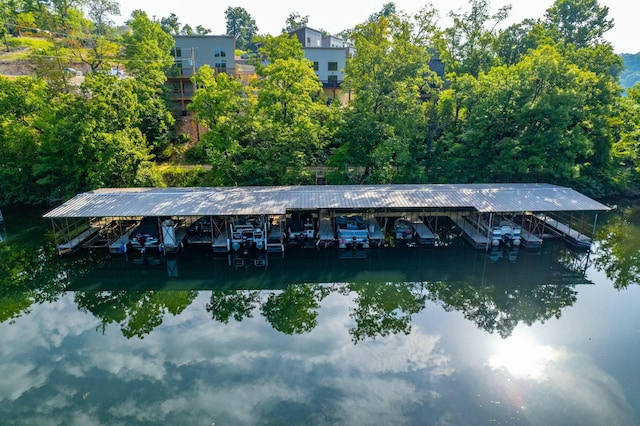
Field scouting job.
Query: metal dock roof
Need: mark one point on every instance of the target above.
(247, 200)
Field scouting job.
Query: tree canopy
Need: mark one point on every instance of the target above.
(535, 101)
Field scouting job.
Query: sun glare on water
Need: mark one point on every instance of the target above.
(524, 358)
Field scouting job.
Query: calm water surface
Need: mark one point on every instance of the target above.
(445, 336)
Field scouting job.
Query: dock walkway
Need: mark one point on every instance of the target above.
(75, 243)
(325, 233)
(573, 236)
(424, 236)
(471, 233)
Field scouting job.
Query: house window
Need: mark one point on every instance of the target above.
(219, 52)
(316, 66)
(178, 52)
(220, 63)
(333, 80)
(333, 66)
(308, 41)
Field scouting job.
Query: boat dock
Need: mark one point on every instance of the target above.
(376, 235)
(561, 229)
(75, 243)
(207, 215)
(472, 232)
(423, 235)
(326, 236)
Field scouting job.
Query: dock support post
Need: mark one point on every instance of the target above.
(489, 228)
(593, 233)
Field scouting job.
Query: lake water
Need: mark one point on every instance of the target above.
(444, 336)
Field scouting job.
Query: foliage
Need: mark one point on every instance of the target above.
(295, 310)
(619, 248)
(225, 304)
(147, 49)
(524, 122)
(581, 23)
(295, 21)
(384, 309)
(386, 123)
(267, 133)
(137, 313)
(536, 101)
(466, 46)
(242, 26)
(498, 309)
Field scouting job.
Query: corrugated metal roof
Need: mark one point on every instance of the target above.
(278, 199)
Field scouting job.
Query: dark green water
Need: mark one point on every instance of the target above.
(443, 336)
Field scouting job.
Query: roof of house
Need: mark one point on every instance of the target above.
(224, 201)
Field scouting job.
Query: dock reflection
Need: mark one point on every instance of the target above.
(201, 270)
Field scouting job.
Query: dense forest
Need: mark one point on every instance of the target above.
(536, 101)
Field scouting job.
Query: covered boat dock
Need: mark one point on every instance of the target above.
(106, 217)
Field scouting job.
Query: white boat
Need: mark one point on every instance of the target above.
(300, 228)
(352, 232)
(248, 233)
(508, 234)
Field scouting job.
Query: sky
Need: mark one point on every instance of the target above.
(270, 15)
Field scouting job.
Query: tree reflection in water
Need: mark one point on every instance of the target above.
(500, 309)
(239, 304)
(384, 308)
(136, 312)
(29, 276)
(618, 247)
(295, 310)
(381, 306)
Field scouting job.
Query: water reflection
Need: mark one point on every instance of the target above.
(136, 313)
(496, 290)
(450, 336)
(523, 357)
(618, 247)
(387, 288)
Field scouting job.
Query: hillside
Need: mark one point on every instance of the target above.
(631, 74)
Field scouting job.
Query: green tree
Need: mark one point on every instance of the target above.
(147, 50)
(288, 104)
(200, 30)
(626, 148)
(619, 247)
(148, 58)
(21, 102)
(581, 23)
(388, 10)
(516, 41)
(385, 126)
(224, 106)
(225, 304)
(466, 46)
(100, 11)
(527, 122)
(187, 30)
(242, 26)
(496, 309)
(170, 24)
(295, 21)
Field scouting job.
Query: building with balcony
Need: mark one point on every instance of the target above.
(190, 53)
(329, 55)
